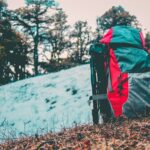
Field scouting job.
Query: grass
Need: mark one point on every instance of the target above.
(119, 135)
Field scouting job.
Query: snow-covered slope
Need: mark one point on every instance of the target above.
(45, 103)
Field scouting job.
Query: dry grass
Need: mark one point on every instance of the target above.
(120, 135)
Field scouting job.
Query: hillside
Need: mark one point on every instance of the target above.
(45, 103)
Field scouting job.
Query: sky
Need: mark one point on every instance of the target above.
(90, 9)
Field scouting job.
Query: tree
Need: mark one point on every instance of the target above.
(13, 54)
(116, 16)
(57, 39)
(3, 9)
(13, 50)
(147, 40)
(81, 37)
(34, 20)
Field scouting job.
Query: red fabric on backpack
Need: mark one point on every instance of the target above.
(119, 81)
(128, 85)
(142, 40)
(107, 38)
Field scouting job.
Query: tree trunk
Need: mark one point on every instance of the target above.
(36, 58)
(36, 43)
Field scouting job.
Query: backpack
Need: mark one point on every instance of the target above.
(127, 65)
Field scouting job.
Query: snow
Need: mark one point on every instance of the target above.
(45, 103)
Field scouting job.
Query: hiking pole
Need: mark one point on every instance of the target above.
(94, 89)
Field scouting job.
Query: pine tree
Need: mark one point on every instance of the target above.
(82, 36)
(57, 37)
(34, 19)
(13, 50)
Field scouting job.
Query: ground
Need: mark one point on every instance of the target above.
(123, 134)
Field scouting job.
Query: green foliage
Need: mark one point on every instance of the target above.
(3, 5)
(116, 16)
(48, 3)
(2, 53)
(57, 36)
(3, 9)
(147, 40)
(13, 51)
(34, 20)
(82, 36)
(13, 56)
